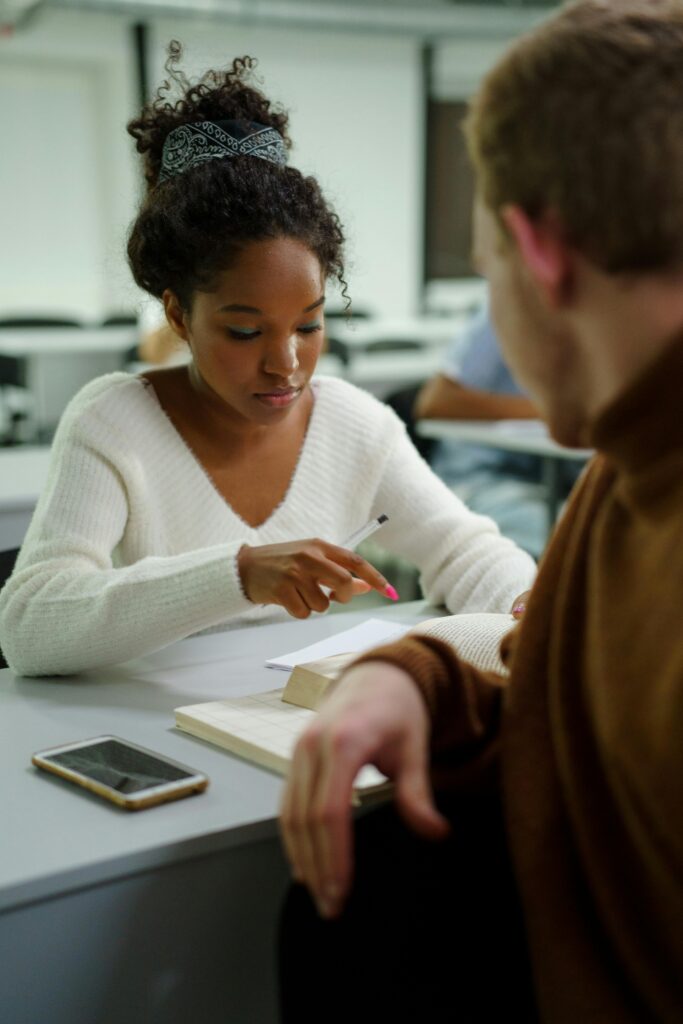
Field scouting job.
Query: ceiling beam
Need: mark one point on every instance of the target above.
(425, 21)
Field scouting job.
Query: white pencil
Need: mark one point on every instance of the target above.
(364, 532)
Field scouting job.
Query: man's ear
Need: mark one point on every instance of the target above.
(543, 251)
(175, 314)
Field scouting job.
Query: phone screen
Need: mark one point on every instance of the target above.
(117, 765)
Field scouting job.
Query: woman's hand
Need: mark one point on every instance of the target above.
(519, 605)
(375, 714)
(293, 575)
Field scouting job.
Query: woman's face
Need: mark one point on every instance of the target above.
(255, 339)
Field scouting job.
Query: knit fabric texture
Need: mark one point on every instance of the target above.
(131, 546)
(587, 731)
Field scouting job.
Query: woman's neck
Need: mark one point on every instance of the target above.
(202, 416)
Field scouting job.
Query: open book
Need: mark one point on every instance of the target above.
(265, 727)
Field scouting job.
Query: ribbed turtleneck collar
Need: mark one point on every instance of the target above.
(644, 426)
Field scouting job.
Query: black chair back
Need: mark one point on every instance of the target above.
(403, 402)
(30, 322)
(393, 345)
(120, 320)
(7, 561)
(340, 313)
(12, 372)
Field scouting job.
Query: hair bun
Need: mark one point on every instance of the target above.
(226, 95)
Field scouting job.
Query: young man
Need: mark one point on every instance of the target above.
(577, 137)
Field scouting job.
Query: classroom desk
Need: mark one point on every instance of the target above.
(381, 373)
(387, 370)
(529, 437)
(22, 342)
(23, 471)
(60, 360)
(427, 330)
(166, 915)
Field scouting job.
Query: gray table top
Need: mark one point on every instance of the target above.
(22, 342)
(528, 436)
(57, 837)
(23, 472)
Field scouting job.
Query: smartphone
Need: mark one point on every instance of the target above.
(130, 776)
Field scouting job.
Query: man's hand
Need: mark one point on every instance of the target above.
(375, 715)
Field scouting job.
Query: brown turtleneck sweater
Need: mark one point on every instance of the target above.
(586, 736)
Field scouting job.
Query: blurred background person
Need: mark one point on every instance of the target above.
(474, 383)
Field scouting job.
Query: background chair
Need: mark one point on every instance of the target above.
(402, 402)
(7, 561)
(122, 319)
(32, 321)
(15, 397)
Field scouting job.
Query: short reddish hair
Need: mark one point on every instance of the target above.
(584, 115)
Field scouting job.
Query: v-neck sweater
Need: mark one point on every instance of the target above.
(586, 735)
(132, 547)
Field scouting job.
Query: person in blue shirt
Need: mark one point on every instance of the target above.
(475, 384)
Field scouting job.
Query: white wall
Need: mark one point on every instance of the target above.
(67, 177)
(356, 123)
(460, 65)
(69, 180)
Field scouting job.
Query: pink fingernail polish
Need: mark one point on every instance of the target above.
(518, 609)
(391, 592)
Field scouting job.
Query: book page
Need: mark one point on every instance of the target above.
(264, 727)
(261, 728)
(475, 638)
(362, 637)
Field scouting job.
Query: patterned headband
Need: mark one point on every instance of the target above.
(192, 144)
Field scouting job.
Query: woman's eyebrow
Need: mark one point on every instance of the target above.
(237, 308)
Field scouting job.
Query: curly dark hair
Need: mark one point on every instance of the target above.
(193, 226)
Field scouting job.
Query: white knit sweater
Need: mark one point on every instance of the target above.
(131, 547)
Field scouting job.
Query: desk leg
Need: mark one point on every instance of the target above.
(551, 479)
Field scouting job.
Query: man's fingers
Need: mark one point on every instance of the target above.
(375, 716)
(415, 803)
(331, 820)
(295, 826)
(317, 826)
(286, 825)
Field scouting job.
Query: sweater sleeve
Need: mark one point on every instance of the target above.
(67, 608)
(463, 704)
(464, 561)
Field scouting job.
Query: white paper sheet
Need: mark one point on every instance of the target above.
(359, 638)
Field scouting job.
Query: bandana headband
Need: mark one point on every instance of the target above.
(193, 144)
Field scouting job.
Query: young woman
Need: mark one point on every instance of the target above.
(204, 495)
